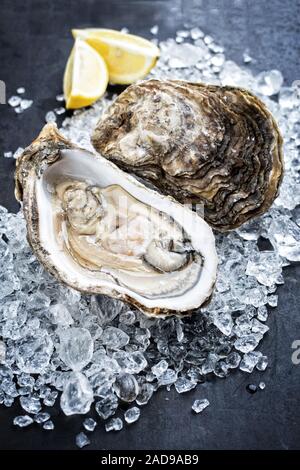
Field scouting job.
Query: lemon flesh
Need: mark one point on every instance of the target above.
(129, 58)
(85, 77)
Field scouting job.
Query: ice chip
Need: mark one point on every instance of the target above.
(248, 342)
(269, 83)
(132, 414)
(107, 405)
(77, 395)
(23, 421)
(126, 387)
(159, 368)
(50, 117)
(30, 404)
(76, 347)
(114, 338)
(14, 101)
(114, 424)
(146, 391)
(184, 385)
(48, 425)
(82, 440)
(249, 361)
(41, 417)
(33, 353)
(89, 424)
(60, 315)
(200, 405)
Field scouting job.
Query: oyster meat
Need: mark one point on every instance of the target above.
(215, 146)
(99, 230)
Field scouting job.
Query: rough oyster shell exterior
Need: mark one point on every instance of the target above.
(202, 144)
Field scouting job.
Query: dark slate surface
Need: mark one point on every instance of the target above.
(35, 42)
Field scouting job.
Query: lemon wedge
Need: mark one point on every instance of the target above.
(129, 58)
(85, 77)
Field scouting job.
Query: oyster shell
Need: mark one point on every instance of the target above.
(211, 145)
(100, 231)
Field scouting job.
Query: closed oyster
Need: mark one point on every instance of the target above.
(210, 145)
(101, 231)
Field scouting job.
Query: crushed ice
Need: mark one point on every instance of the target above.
(98, 351)
(18, 103)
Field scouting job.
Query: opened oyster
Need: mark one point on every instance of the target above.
(217, 146)
(100, 231)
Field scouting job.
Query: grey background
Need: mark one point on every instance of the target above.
(35, 41)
